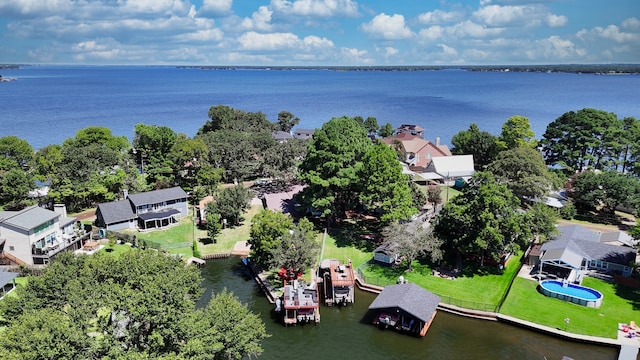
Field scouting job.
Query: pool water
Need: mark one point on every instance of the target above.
(572, 293)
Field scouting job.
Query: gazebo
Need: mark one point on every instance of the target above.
(561, 263)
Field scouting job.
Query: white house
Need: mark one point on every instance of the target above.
(35, 235)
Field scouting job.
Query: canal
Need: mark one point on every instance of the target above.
(342, 334)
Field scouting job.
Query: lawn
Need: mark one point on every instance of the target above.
(344, 253)
(619, 304)
(230, 236)
(472, 290)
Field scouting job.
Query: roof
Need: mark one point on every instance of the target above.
(410, 298)
(453, 166)
(281, 135)
(115, 212)
(586, 243)
(28, 218)
(564, 256)
(159, 214)
(157, 196)
(341, 274)
(7, 277)
(304, 131)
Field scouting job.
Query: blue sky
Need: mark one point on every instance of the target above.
(319, 32)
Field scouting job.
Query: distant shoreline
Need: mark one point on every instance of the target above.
(598, 69)
(603, 69)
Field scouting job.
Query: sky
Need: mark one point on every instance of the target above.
(319, 32)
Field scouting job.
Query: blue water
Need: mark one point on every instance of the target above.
(48, 104)
(571, 290)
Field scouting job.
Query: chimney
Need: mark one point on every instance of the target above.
(125, 194)
(437, 140)
(60, 209)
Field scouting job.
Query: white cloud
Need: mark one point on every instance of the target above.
(469, 29)
(631, 24)
(319, 8)
(201, 36)
(274, 41)
(388, 27)
(439, 17)
(431, 34)
(555, 48)
(517, 16)
(32, 8)
(354, 56)
(260, 20)
(216, 7)
(556, 21)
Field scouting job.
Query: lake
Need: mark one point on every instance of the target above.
(342, 334)
(47, 104)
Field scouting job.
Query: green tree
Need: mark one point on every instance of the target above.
(15, 185)
(434, 195)
(332, 165)
(386, 130)
(47, 161)
(231, 203)
(286, 121)
(481, 144)
(223, 117)
(299, 248)
(516, 132)
(119, 307)
(385, 186)
(213, 225)
(542, 220)
(152, 145)
(14, 153)
(281, 160)
(267, 229)
(608, 189)
(44, 334)
(371, 125)
(577, 140)
(523, 171)
(187, 156)
(484, 220)
(412, 241)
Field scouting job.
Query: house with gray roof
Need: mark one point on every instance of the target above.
(145, 211)
(303, 134)
(405, 307)
(578, 250)
(34, 235)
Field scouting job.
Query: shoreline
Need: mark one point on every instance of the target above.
(630, 345)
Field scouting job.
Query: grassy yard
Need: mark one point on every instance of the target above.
(230, 236)
(344, 253)
(473, 290)
(619, 304)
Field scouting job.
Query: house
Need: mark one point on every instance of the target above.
(281, 136)
(34, 235)
(303, 134)
(405, 307)
(450, 168)
(577, 251)
(417, 152)
(145, 211)
(386, 254)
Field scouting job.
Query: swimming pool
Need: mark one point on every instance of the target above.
(572, 293)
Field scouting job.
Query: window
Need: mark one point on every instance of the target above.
(11, 248)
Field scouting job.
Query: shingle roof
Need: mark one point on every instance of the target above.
(453, 166)
(586, 243)
(157, 196)
(410, 298)
(115, 212)
(28, 218)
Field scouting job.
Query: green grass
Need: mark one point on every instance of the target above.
(619, 304)
(117, 249)
(473, 290)
(344, 253)
(230, 236)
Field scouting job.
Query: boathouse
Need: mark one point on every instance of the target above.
(300, 303)
(338, 282)
(406, 308)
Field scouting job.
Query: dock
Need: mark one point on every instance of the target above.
(337, 282)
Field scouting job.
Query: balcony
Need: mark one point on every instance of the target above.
(72, 242)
